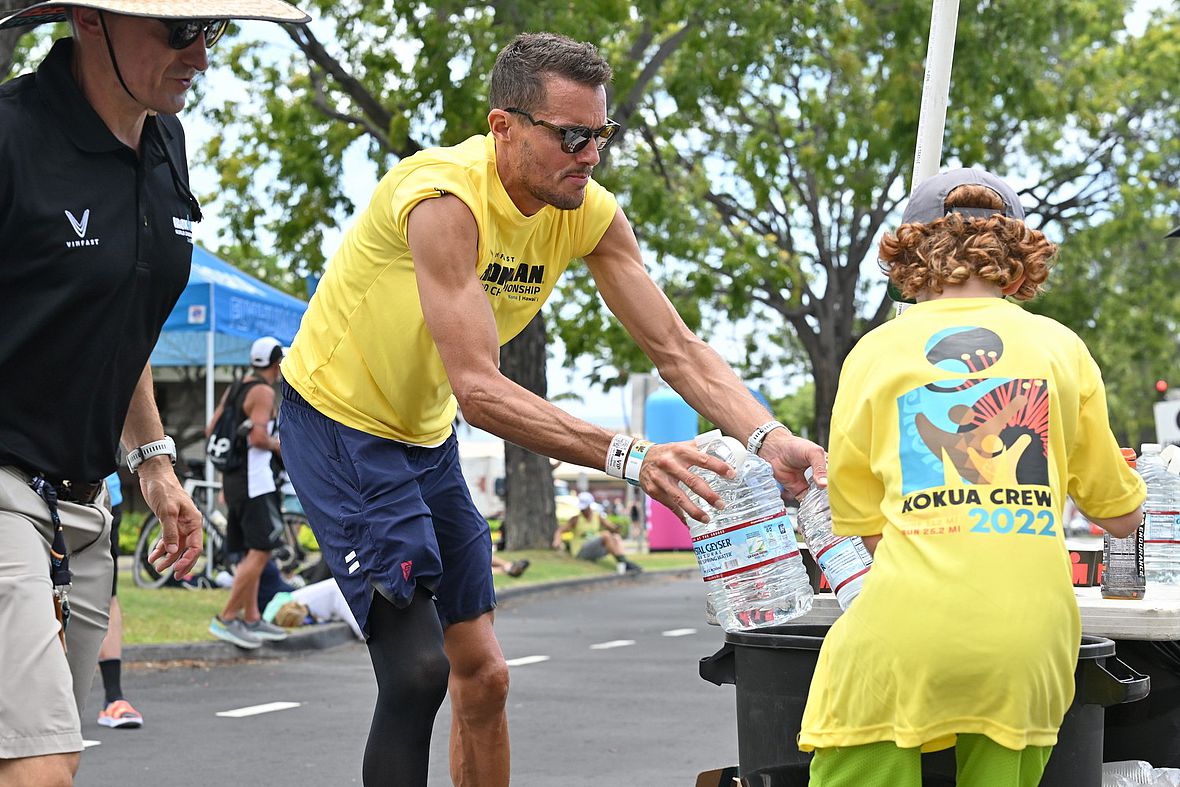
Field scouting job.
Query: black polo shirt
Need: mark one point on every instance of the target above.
(95, 246)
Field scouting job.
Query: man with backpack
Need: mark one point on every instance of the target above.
(242, 445)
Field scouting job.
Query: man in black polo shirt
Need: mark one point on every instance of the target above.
(95, 242)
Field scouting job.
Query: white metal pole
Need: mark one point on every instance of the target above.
(210, 352)
(940, 52)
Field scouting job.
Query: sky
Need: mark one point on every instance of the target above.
(608, 409)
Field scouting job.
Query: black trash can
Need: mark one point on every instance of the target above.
(1148, 730)
(772, 669)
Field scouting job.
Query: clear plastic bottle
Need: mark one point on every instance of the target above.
(843, 559)
(748, 555)
(1162, 509)
(1123, 573)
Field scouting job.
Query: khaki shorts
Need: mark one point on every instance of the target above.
(42, 690)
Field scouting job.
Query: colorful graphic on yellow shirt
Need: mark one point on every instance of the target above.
(976, 430)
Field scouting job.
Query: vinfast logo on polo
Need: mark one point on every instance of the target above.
(80, 227)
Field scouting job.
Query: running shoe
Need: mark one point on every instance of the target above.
(517, 568)
(234, 632)
(120, 714)
(267, 632)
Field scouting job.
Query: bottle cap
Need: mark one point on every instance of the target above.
(1153, 448)
(735, 450)
(1129, 455)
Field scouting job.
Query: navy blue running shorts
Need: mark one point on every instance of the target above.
(388, 516)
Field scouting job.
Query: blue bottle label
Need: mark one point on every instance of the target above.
(745, 547)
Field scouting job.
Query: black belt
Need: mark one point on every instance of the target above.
(77, 491)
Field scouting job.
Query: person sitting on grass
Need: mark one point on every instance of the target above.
(597, 535)
(513, 569)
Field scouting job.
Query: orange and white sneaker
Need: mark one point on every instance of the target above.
(120, 714)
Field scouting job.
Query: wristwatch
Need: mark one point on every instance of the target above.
(157, 448)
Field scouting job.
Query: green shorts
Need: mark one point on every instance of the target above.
(979, 762)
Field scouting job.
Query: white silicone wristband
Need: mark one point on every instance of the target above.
(616, 455)
(156, 448)
(754, 444)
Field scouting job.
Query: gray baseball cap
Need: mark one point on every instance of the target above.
(928, 202)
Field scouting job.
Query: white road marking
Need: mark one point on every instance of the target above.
(523, 660)
(88, 744)
(614, 643)
(255, 710)
(679, 632)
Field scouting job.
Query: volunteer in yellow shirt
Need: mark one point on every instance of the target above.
(457, 251)
(957, 433)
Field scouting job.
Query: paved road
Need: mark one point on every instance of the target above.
(616, 701)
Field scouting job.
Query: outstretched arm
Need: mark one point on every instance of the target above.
(443, 240)
(689, 365)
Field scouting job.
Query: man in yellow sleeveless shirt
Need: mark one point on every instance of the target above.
(457, 251)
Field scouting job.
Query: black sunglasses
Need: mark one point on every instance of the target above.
(575, 138)
(183, 32)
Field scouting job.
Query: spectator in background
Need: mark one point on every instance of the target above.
(592, 535)
(255, 522)
(513, 569)
(117, 711)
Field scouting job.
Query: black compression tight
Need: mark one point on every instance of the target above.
(406, 646)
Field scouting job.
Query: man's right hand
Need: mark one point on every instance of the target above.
(667, 465)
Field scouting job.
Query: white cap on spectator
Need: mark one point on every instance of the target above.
(265, 352)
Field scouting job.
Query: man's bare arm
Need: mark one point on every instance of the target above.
(443, 240)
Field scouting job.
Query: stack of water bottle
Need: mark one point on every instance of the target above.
(747, 552)
(1162, 521)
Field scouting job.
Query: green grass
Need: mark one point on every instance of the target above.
(178, 615)
(167, 614)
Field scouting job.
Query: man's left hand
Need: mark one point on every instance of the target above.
(180, 546)
(790, 455)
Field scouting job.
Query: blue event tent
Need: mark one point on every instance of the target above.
(219, 314)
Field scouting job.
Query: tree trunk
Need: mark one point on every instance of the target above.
(530, 516)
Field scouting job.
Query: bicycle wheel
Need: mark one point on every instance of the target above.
(142, 571)
(289, 554)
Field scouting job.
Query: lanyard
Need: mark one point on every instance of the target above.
(59, 556)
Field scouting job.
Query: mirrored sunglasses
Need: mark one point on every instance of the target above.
(574, 138)
(183, 32)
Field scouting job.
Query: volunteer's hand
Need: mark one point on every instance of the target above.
(667, 465)
(180, 545)
(790, 455)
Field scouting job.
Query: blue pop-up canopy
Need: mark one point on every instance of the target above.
(220, 313)
(218, 316)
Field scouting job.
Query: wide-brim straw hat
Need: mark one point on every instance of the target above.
(265, 10)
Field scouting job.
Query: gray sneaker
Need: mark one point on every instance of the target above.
(234, 632)
(267, 632)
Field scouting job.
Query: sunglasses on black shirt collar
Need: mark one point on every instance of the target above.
(183, 32)
(575, 138)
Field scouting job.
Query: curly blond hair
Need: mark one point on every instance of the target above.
(952, 249)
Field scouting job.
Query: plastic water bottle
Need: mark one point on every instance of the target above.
(1162, 510)
(748, 555)
(1123, 573)
(843, 559)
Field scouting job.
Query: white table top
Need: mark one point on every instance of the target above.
(1155, 617)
